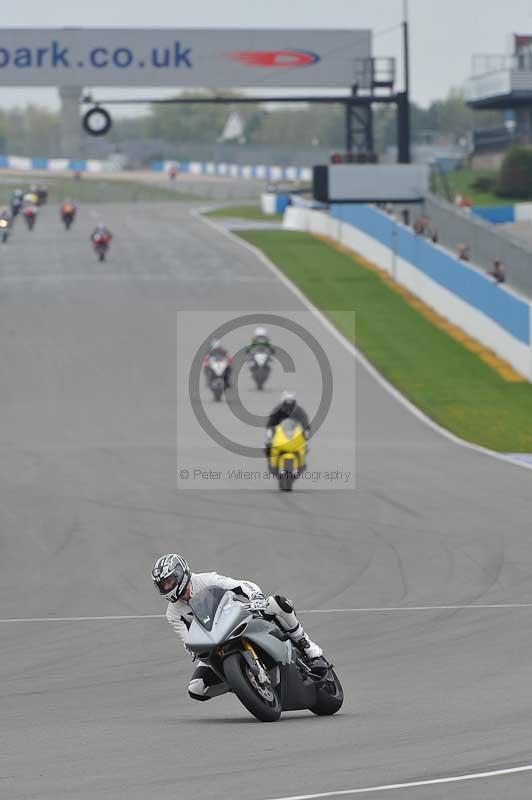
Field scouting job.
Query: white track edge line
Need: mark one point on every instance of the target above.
(411, 784)
(360, 357)
(356, 610)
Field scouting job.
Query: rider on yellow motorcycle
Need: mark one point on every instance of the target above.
(287, 408)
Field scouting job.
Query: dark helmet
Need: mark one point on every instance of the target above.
(288, 401)
(171, 575)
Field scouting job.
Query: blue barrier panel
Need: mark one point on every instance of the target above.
(158, 166)
(474, 288)
(281, 202)
(77, 164)
(39, 163)
(374, 224)
(495, 214)
(4, 161)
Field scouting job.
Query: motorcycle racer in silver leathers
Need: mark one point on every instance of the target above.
(174, 580)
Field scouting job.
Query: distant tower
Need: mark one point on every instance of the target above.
(503, 82)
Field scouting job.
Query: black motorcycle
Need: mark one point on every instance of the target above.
(68, 219)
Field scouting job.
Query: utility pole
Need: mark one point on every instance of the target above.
(403, 105)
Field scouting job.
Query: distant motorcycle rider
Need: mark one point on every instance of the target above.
(68, 209)
(17, 199)
(260, 340)
(174, 580)
(217, 350)
(287, 408)
(101, 231)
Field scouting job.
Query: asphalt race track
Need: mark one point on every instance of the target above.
(98, 708)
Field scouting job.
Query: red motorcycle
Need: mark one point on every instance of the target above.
(30, 215)
(101, 243)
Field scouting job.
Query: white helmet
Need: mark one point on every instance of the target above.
(261, 332)
(288, 400)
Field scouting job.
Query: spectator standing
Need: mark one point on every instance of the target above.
(464, 252)
(498, 272)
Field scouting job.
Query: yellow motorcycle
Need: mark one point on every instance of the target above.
(288, 453)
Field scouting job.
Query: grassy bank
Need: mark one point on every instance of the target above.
(448, 382)
(91, 190)
(461, 182)
(244, 212)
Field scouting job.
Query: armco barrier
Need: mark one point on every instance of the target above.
(247, 171)
(53, 164)
(495, 316)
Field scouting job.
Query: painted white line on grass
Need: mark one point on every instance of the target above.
(354, 350)
(473, 776)
(356, 610)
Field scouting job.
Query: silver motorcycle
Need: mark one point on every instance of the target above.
(217, 366)
(257, 660)
(260, 367)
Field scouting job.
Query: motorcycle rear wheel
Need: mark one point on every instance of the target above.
(330, 697)
(239, 677)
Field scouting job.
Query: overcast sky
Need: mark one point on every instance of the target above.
(443, 33)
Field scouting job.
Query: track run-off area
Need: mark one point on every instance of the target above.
(417, 582)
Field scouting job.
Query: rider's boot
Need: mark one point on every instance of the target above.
(283, 610)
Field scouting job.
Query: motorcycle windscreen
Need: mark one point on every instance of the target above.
(204, 605)
(288, 436)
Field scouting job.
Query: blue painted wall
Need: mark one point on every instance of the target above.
(495, 214)
(476, 289)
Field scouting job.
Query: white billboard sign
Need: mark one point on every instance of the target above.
(370, 183)
(182, 57)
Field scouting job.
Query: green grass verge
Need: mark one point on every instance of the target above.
(92, 190)
(460, 182)
(244, 212)
(440, 376)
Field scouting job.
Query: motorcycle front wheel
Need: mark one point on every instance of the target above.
(260, 699)
(286, 481)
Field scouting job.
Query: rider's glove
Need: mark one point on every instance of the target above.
(269, 435)
(257, 602)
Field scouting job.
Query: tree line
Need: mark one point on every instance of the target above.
(35, 130)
